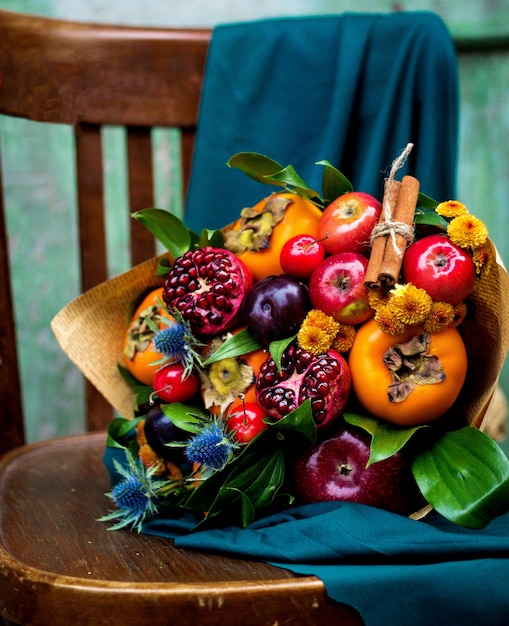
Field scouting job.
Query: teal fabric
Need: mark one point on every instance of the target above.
(353, 89)
(393, 570)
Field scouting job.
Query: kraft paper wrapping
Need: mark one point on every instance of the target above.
(91, 330)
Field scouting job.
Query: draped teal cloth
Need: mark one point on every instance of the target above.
(353, 89)
(392, 569)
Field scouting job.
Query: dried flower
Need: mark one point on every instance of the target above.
(135, 495)
(212, 447)
(410, 304)
(467, 231)
(451, 208)
(483, 258)
(460, 311)
(344, 338)
(225, 380)
(441, 316)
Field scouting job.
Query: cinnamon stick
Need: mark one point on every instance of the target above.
(403, 215)
(376, 257)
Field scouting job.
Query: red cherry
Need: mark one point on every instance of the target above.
(300, 255)
(245, 420)
(171, 385)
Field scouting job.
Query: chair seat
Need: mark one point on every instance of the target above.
(60, 566)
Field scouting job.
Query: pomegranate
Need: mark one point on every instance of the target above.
(207, 286)
(325, 379)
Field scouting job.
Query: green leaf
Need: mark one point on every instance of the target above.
(386, 438)
(213, 238)
(299, 421)
(426, 202)
(256, 166)
(163, 266)
(289, 178)
(167, 228)
(118, 429)
(465, 477)
(276, 349)
(334, 183)
(237, 345)
(188, 418)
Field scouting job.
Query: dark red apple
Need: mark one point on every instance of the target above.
(346, 223)
(337, 288)
(440, 267)
(275, 308)
(335, 469)
(300, 255)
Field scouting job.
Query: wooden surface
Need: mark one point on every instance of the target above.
(59, 566)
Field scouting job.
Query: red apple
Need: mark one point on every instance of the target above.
(337, 288)
(439, 266)
(300, 255)
(346, 223)
(335, 469)
(245, 420)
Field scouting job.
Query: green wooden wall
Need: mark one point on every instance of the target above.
(40, 173)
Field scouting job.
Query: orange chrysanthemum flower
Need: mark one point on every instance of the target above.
(441, 316)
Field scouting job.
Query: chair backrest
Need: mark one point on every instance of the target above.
(87, 76)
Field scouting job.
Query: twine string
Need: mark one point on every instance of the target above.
(389, 227)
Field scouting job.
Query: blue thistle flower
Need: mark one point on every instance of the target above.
(176, 343)
(171, 341)
(211, 448)
(135, 495)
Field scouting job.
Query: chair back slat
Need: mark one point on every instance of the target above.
(11, 417)
(141, 189)
(90, 76)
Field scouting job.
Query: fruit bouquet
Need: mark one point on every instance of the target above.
(324, 346)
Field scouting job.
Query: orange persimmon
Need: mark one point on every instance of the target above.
(390, 390)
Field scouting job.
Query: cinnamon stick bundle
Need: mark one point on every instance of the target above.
(391, 192)
(384, 267)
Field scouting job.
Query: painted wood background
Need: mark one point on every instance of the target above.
(39, 170)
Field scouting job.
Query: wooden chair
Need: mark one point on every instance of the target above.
(58, 566)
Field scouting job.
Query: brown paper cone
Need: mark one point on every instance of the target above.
(91, 330)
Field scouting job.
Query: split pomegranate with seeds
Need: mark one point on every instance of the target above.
(324, 379)
(207, 286)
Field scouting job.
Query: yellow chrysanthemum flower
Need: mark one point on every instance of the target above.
(483, 258)
(410, 304)
(451, 208)
(467, 231)
(313, 339)
(377, 297)
(319, 319)
(344, 338)
(441, 316)
(386, 321)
